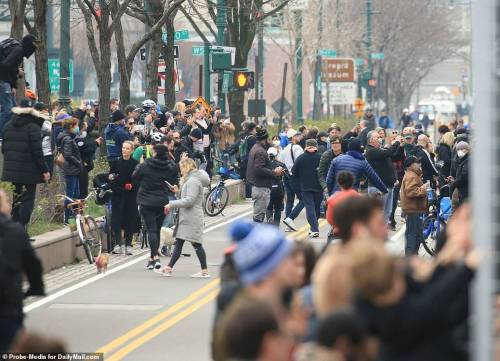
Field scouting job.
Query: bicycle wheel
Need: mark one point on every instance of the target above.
(430, 232)
(216, 201)
(93, 243)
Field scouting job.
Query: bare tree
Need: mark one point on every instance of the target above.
(41, 58)
(162, 13)
(101, 51)
(414, 36)
(242, 20)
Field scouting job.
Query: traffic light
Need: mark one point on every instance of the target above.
(243, 80)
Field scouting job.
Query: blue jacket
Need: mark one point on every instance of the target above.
(355, 163)
(115, 135)
(386, 122)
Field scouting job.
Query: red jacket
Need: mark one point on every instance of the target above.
(334, 200)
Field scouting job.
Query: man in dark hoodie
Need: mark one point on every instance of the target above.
(24, 164)
(17, 258)
(12, 53)
(115, 134)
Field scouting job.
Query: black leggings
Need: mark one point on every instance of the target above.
(198, 247)
(153, 220)
(395, 198)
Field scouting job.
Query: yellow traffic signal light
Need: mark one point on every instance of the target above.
(243, 80)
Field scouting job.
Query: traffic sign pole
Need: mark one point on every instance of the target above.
(221, 22)
(298, 62)
(64, 98)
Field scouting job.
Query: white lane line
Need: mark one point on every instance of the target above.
(104, 307)
(96, 278)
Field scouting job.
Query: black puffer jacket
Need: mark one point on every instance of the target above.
(462, 178)
(22, 147)
(17, 258)
(381, 161)
(259, 172)
(66, 143)
(151, 176)
(444, 155)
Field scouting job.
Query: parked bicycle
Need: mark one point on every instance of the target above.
(86, 225)
(435, 221)
(217, 198)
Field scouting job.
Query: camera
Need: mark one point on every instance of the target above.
(198, 154)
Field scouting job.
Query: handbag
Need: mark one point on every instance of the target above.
(59, 159)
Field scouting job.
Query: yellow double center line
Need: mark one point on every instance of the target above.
(158, 324)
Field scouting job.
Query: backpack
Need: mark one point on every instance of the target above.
(59, 158)
(243, 148)
(6, 47)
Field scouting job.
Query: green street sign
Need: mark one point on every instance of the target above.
(198, 51)
(54, 75)
(328, 53)
(179, 35)
(378, 56)
(359, 61)
(226, 81)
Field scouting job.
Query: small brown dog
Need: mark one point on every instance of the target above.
(101, 263)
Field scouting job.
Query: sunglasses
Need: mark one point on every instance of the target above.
(131, 123)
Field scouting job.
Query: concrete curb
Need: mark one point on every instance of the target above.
(58, 248)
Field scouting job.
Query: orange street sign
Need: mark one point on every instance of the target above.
(201, 101)
(359, 114)
(359, 104)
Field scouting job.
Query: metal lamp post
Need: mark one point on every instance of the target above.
(64, 51)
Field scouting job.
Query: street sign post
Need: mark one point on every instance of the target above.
(55, 74)
(226, 49)
(359, 61)
(162, 77)
(328, 53)
(179, 35)
(378, 56)
(342, 93)
(287, 107)
(337, 70)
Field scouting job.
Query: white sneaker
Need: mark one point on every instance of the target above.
(117, 250)
(201, 274)
(313, 234)
(248, 200)
(289, 223)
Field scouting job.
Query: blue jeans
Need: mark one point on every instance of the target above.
(73, 192)
(292, 189)
(312, 202)
(386, 200)
(413, 233)
(7, 101)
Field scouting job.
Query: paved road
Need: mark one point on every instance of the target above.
(135, 314)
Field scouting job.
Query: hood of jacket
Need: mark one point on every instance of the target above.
(28, 114)
(28, 45)
(159, 164)
(356, 155)
(202, 176)
(63, 135)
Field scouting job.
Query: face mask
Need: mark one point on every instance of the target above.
(77, 130)
(84, 134)
(461, 153)
(276, 143)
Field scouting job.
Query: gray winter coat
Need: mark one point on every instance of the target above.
(190, 220)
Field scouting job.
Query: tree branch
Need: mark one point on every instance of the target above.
(149, 35)
(275, 10)
(194, 25)
(118, 17)
(28, 26)
(92, 10)
(202, 18)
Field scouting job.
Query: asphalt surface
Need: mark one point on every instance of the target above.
(135, 314)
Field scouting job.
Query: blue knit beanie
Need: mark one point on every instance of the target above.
(260, 253)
